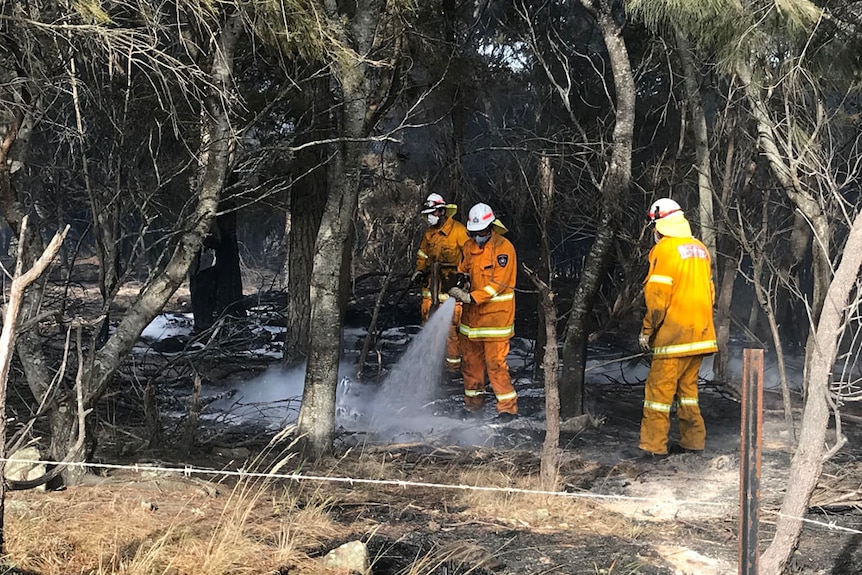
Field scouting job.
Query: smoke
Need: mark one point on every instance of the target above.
(272, 399)
(410, 404)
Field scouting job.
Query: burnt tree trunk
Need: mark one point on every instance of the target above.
(577, 328)
(307, 201)
(215, 279)
(457, 92)
(614, 189)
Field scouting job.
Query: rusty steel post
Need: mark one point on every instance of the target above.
(749, 459)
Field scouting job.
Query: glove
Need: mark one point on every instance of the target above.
(461, 295)
(462, 281)
(417, 275)
(643, 342)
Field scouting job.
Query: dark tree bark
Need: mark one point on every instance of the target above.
(307, 201)
(614, 188)
(334, 240)
(215, 278)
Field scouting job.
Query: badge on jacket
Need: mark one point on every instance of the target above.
(503, 259)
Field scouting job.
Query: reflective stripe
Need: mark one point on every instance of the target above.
(453, 360)
(704, 346)
(497, 296)
(426, 293)
(667, 280)
(506, 396)
(477, 332)
(422, 254)
(473, 392)
(656, 406)
(688, 401)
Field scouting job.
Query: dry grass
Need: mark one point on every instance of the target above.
(258, 526)
(130, 526)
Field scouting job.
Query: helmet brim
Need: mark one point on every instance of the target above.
(496, 224)
(674, 226)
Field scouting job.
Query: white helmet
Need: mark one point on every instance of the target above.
(481, 216)
(662, 208)
(433, 203)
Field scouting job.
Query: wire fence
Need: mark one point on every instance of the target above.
(189, 471)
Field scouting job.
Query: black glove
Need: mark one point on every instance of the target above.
(461, 295)
(462, 281)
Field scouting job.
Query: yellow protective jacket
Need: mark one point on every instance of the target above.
(443, 245)
(679, 294)
(492, 270)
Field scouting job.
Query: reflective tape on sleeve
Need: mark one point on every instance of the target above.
(657, 279)
(422, 254)
(706, 346)
(504, 297)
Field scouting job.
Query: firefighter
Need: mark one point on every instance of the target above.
(677, 329)
(488, 321)
(440, 253)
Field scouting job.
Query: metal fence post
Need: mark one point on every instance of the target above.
(749, 459)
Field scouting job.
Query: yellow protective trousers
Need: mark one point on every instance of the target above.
(478, 357)
(453, 345)
(669, 377)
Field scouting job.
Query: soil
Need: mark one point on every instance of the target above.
(616, 512)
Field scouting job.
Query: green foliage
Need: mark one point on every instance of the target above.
(91, 11)
(734, 31)
(799, 13)
(296, 27)
(690, 16)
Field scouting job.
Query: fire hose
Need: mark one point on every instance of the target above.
(617, 360)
